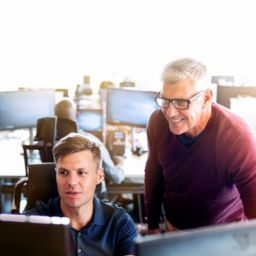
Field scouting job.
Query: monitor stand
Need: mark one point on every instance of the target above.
(30, 130)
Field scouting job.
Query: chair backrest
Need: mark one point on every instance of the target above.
(45, 137)
(42, 184)
(46, 129)
(65, 126)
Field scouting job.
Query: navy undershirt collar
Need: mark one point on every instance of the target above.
(188, 141)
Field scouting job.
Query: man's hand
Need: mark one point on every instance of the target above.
(153, 231)
(170, 227)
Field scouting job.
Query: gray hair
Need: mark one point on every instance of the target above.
(182, 69)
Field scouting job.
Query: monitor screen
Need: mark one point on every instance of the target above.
(21, 109)
(227, 239)
(129, 107)
(34, 235)
(90, 120)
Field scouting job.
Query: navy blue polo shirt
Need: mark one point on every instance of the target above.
(110, 232)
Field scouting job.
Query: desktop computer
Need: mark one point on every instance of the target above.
(116, 142)
(236, 239)
(34, 235)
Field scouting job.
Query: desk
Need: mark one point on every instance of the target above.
(11, 169)
(134, 167)
(133, 188)
(12, 161)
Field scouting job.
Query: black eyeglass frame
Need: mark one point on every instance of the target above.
(176, 102)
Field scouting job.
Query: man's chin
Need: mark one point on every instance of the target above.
(176, 130)
(71, 204)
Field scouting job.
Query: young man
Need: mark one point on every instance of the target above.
(202, 157)
(97, 228)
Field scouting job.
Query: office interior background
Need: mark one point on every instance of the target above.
(56, 43)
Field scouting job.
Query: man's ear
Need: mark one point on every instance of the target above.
(100, 173)
(208, 95)
(207, 98)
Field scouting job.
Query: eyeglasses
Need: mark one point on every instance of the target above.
(180, 104)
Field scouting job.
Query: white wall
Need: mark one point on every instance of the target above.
(54, 43)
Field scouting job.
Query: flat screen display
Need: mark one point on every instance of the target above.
(21, 109)
(222, 240)
(35, 235)
(90, 120)
(130, 107)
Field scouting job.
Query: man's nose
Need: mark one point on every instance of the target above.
(171, 110)
(72, 178)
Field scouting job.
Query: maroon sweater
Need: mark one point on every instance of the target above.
(213, 181)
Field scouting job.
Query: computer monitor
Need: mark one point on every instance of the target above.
(59, 92)
(90, 120)
(129, 107)
(21, 109)
(34, 235)
(237, 239)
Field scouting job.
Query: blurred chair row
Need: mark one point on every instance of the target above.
(48, 131)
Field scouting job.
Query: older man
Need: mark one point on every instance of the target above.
(202, 157)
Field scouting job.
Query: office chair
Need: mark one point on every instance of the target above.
(41, 185)
(45, 139)
(65, 126)
(49, 129)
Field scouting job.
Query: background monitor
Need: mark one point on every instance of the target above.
(90, 120)
(237, 239)
(129, 107)
(21, 109)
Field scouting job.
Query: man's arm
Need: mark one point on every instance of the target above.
(112, 172)
(242, 160)
(154, 183)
